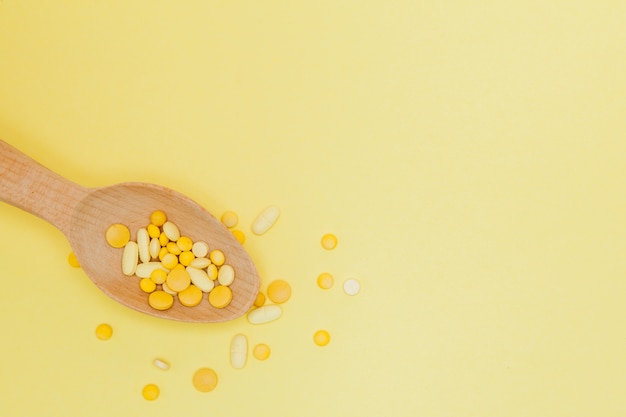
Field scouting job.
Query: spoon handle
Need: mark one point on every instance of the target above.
(28, 185)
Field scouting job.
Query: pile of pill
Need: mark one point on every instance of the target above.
(171, 265)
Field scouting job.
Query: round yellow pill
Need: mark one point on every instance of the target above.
(72, 260)
(329, 241)
(279, 291)
(217, 257)
(240, 236)
(117, 235)
(169, 260)
(160, 300)
(325, 280)
(186, 257)
(205, 380)
(230, 219)
(158, 218)
(261, 351)
(158, 276)
(178, 280)
(147, 285)
(220, 296)
(173, 248)
(190, 296)
(150, 392)
(321, 337)
(184, 243)
(154, 231)
(260, 300)
(104, 331)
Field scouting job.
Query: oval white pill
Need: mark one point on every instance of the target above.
(264, 314)
(161, 364)
(351, 287)
(200, 279)
(171, 231)
(265, 220)
(238, 351)
(200, 263)
(145, 269)
(226, 274)
(200, 249)
(155, 247)
(130, 256)
(143, 242)
(168, 290)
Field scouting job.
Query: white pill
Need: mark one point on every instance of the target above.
(161, 364)
(200, 249)
(200, 279)
(143, 242)
(226, 275)
(200, 263)
(265, 220)
(238, 351)
(171, 231)
(130, 257)
(168, 290)
(155, 247)
(145, 269)
(351, 287)
(264, 314)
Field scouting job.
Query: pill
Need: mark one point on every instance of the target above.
(200, 249)
(153, 231)
(160, 300)
(261, 351)
(217, 257)
(173, 248)
(264, 314)
(169, 260)
(117, 235)
(240, 236)
(205, 380)
(158, 218)
(329, 241)
(178, 279)
(212, 271)
(161, 364)
(186, 257)
(145, 269)
(265, 220)
(220, 296)
(279, 291)
(225, 274)
(351, 287)
(162, 252)
(158, 276)
(171, 231)
(155, 247)
(260, 299)
(167, 289)
(72, 260)
(325, 280)
(163, 239)
(200, 279)
(238, 351)
(147, 285)
(184, 243)
(143, 243)
(200, 263)
(230, 219)
(150, 392)
(104, 331)
(190, 296)
(321, 337)
(130, 258)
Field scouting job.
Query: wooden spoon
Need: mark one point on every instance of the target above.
(84, 214)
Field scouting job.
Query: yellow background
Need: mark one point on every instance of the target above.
(470, 156)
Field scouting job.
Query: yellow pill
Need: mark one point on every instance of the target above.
(321, 337)
(169, 260)
(184, 243)
(162, 253)
(279, 291)
(178, 280)
(163, 239)
(261, 351)
(173, 248)
(325, 280)
(225, 274)
(171, 231)
(217, 257)
(190, 296)
(117, 235)
(329, 241)
(158, 276)
(179, 266)
(104, 331)
(205, 380)
(147, 285)
(240, 236)
(230, 219)
(160, 300)
(150, 392)
(220, 296)
(72, 260)
(153, 231)
(260, 299)
(212, 271)
(158, 218)
(186, 257)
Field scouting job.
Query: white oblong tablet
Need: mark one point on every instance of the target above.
(264, 314)
(238, 351)
(143, 242)
(130, 258)
(351, 287)
(200, 279)
(145, 269)
(265, 220)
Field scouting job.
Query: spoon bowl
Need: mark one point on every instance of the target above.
(84, 214)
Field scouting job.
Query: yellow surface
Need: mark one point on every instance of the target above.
(469, 156)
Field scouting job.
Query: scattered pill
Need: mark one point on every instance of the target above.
(173, 248)
(351, 287)
(260, 299)
(225, 275)
(171, 231)
(264, 314)
(154, 248)
(178, 279)
(147, 285)
(153, 231)
(72, 260)
(117, 235)
(329, 241)
(167, 289)
(200, 249)
(143, 243)
(158, 218)
(220, 296)
(217, 257)
(238, 351)
(163, 239)
(185, 258)
(161, 364)
(200, 263)
(130, 258)
(169, 260)
(144, 270)
(230, 219)
(240, 236)
(104, 331)
(212, 271)
(150, 392)
(205, 380)
(279, 291)
(162, 252)
(160, 300)
(325, 280)
(158, 276)
(321, 337)
(184, 243)
(200, 279)
(190, 296)
(261, 351)
(265, 220)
